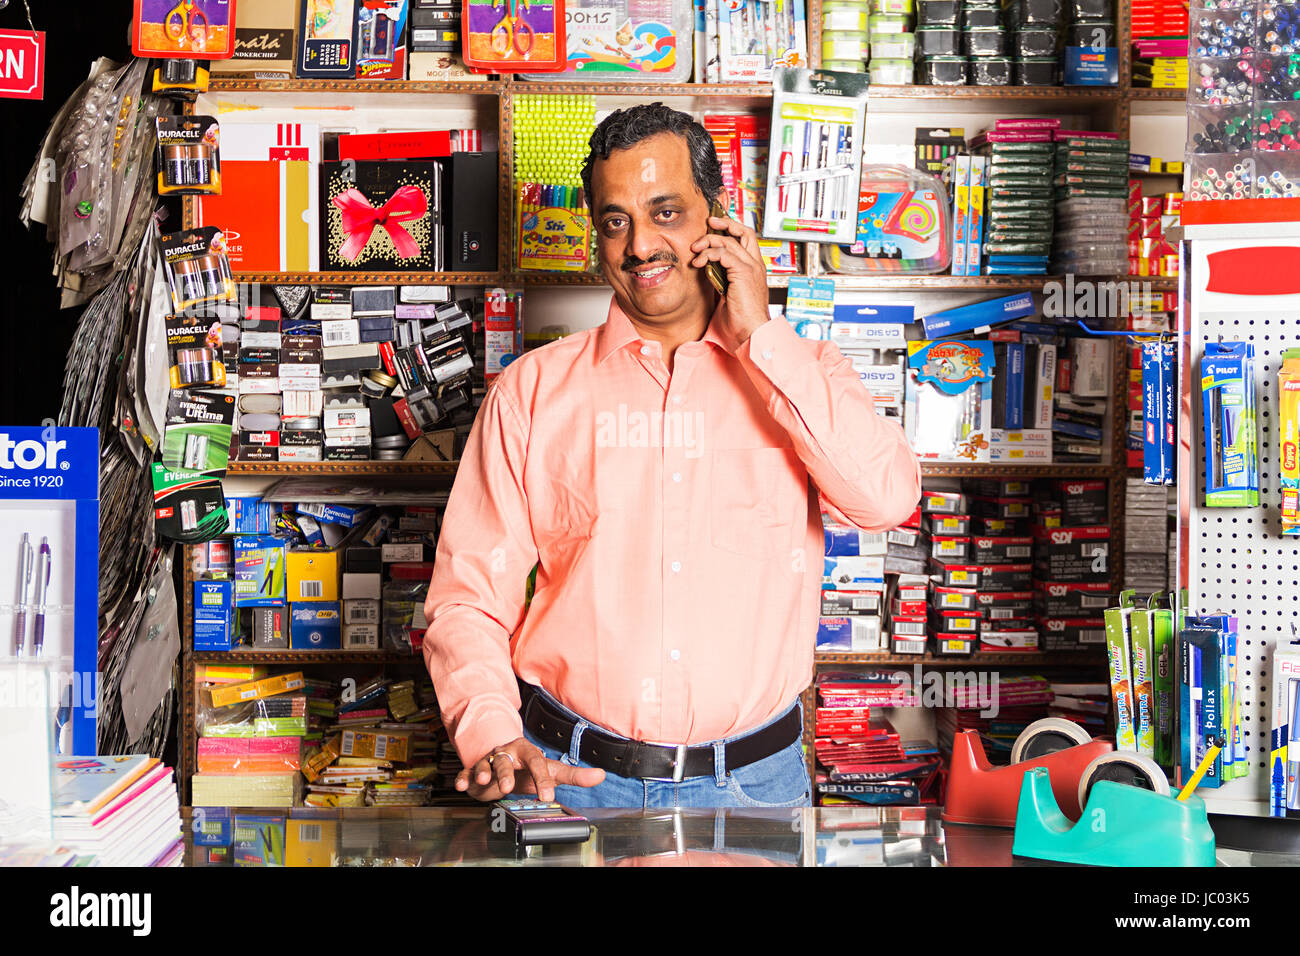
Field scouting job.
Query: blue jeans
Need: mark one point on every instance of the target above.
(779, 780)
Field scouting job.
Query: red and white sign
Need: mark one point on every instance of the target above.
(22, 64)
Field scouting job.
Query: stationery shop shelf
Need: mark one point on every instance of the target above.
(1158, 283)
(1007, 470)
(942, 283)
(1146, 93)
(355, 468)
(301, 657)
(1023, 658)
(1028, 93)
(596, 279)
(371, 278)
(220, 84)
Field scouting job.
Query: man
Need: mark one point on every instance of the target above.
(662, 472)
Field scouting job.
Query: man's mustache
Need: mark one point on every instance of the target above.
(631, 263)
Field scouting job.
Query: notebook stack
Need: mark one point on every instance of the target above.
(123, 811)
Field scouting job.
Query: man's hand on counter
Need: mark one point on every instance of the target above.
(519, 767)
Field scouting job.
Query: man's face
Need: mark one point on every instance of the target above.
(647, 212)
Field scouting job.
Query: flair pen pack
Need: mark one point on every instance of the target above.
(1288, 395)
(818, 118)
(1284, 746)
(1228, 424)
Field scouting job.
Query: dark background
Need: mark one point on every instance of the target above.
(36, 332)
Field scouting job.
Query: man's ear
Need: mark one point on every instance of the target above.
(723, 199)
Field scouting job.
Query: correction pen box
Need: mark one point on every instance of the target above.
(49, 499)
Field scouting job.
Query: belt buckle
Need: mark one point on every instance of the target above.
(679, 764)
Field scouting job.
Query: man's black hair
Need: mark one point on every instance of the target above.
(627, 127)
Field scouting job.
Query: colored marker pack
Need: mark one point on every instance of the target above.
(817, 126)
(1143, 647)
(1162, 648)
(1228, 418)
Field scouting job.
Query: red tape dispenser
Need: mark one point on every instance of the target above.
(509, 36)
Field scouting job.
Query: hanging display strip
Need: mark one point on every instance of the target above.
(1238, 561)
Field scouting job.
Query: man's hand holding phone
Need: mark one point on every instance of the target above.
(734, 247)
(519, 767)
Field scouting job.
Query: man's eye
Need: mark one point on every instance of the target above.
(666, 215)
(614, 224)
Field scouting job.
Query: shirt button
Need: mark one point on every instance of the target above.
(677, 565)
(677, 476)
(674, 653)
(767, 354)
(677, 399)
(645, 350)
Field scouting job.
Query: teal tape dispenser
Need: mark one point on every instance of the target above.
(1121, 825)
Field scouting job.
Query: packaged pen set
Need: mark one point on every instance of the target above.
(1159, 411)
(1228, 422)
(1209, 704)
(189, 156)
(1139, 655)
(817, 128)
(1284, 744)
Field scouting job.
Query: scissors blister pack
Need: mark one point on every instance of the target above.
(506, 36)
(186, 29)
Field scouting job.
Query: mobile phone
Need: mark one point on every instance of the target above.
(717, 274)
(537, 822)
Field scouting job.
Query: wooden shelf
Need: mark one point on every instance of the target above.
(1085, 656)
(371, 278)
(598, 88)
(1145, 93)
(357, 468)
(225, 84)
(1012, 470)
(301, 657)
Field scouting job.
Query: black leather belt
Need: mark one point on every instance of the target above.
(639, 760)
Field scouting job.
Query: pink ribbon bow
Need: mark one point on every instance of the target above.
(360, 219)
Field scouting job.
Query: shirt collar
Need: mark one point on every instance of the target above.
(619, 332)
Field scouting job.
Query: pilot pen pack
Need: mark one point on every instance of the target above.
(817, 127)
(1228, 422)
(189, 156)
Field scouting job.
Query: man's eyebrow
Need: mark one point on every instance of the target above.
(613, 207)
(671, 197)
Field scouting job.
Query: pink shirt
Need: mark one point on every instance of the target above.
(676, 525)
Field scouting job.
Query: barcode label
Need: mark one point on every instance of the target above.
(961, 624)
(959, 577)
(864, 604)
(335, 335)
(1093, 636)
(909, 628)
(909, 647)
(1019, 551)
(357, 637)
(1003, 613)
(1089, 601)
(955, 647)
(381, 748)
(309, 832)
(311, 589)
(953, 600)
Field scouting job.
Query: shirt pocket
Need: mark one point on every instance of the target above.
(754, 502)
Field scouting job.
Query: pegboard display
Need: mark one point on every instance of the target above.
(1236, 560)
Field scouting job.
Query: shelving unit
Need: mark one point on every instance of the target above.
(493, 101)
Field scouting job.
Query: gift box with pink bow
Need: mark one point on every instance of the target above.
(381, 216)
